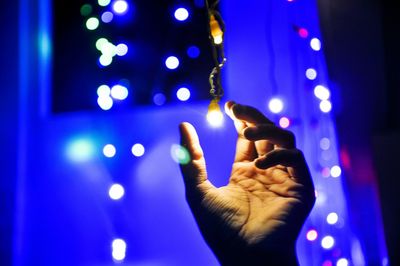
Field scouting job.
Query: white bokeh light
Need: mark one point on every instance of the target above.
(103, 91)
(275, 105)
(181, 14)
(120, 6)
(105, 103)
(325, 144)
(322, 92)
(121, 49)
(325, 106)
(315, 44)
(116, 191)
(119, 92)
(327, 242)
(105, 60)
(311, 73)
(109, 150)
(138, 150)
(336, 171)
(342, 262)
(332, 218)
(118, 249)
(183, 94)
(172, 62)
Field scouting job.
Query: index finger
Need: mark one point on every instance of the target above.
(249, 114)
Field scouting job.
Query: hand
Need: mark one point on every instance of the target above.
(255, 219)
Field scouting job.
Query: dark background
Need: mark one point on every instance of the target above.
(361, 45)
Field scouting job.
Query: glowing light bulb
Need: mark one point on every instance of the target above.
(116, 191)
(214, 116)
(216, 31)
(181, 14)
(327, 242)
(118, 249)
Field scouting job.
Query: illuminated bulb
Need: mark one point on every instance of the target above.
(325, 106)
(116, 192)
(105, 60)
(284, 122)
(328, 242)
(181, 14)
(214, 115)
(105, 103)
(109, 150)
(322, 92)
(216, 31)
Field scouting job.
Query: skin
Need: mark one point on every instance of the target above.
(255, 219)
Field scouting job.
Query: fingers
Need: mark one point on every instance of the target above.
(276, 135)
(194, 172)
(293, 159)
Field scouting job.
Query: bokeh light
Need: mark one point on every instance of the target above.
(315, 44)
(116, 192)
(86, 10)
(327, 242)
(119, 92)
(181, 14)
(120, 7)
(312, 235)
(275, 105)
(92, 23)
(303, 33)
(104, 2)
(332, 218)
(109, 150)
(138, 150)
(107, 17)
(311, 73)
(105, 60)
(336, 171)
(118, 249)
(322, 92)
(100, 43)
(284, 122)
(159, 99)
(80, 150)
(325, 144)
(121, 49)
(193, 51)
(180, 154)
(183, 94)
(342, 262)
(325, 106)
(172, 62)
(103, 91)
(105, 103)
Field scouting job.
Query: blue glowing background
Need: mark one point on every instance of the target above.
(64, 213)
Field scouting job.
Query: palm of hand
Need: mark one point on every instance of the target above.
(257, 205)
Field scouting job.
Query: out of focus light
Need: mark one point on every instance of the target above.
(193, 51)
(80, 150)
(116, 191)
(275, 105)
(315, 44)
(100, 43)
(121, 49)
(92, 23)
(342, 262)
(105, 103)
(336, 171)
(325, 106)
(284, 122)
(159, 99)
(107, 17)
(325, 144)
(103, 91)
(119, 92)
(181, 14)
(109, 150)
(311, 73)
(86, 10)
(105, 60)
(322, 92)
(118, 249)
(303, 33)
(104, 2)
(214, 115)
(312, 235)
(138, 150)
(326, 172)
(183, 94)
(332, 218)
(108, 49)
(120, 7)
(327, 263)
(327, 242)
(180, 154)
(172, 62)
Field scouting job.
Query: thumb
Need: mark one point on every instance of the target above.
(194, 171)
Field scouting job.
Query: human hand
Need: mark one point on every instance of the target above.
(255, 219)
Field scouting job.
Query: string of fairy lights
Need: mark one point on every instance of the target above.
(108, 94)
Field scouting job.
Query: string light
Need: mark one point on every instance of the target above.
(214, 116)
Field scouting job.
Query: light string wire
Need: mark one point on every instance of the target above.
(216, 30)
